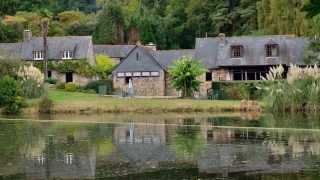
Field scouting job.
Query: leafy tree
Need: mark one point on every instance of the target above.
(184, 73)
(70, 17)
(104, 65)
(312, 8)
(110, 23)
(10, 92)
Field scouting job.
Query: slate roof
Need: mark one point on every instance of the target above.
(215, 52)
(165, 58)
(11, 49)
(80, 45)
(114, 51)
(145, 62)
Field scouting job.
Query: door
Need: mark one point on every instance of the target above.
(69, 77)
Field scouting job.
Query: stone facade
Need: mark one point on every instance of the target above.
(142, 86)
(77, 79)
(221, 75)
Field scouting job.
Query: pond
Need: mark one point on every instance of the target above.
(165, 146)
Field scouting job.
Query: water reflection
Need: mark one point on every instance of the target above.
(178, 148)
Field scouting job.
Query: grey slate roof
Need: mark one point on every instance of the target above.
(215, 52)
(80, 45)
(165, 58)
(114, 51)
(11, 49)
(145, 62)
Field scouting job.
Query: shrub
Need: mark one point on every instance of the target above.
(51, 81)
(71, 87)
(104, 65)
(94, 85)
(237, 90)
(45, 105)
(10, 92)
(31, 89)
(61, 86)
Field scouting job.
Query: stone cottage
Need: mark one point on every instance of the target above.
(225, 58)
(65, 48)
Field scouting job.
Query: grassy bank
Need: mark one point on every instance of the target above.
(74, 102)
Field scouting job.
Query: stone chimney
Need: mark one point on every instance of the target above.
(151, 46)
(27, 35)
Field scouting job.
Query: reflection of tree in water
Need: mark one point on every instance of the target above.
(187, 141)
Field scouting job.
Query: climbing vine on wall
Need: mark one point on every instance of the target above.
(81, 67)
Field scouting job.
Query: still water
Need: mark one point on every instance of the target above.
(167, 146)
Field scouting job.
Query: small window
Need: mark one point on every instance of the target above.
(37, 55)
(138, 56)
(208, 76)
(272, 50)
(236, 51)
(145, 73)
(120, 74)
(67, 55)
(137, 74)
(155, 74)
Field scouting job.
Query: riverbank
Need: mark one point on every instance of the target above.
(75, 102)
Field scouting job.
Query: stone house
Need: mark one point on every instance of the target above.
(65, 48)
(225, 58)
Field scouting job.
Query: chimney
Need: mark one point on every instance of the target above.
(27, 35)
(151, 46)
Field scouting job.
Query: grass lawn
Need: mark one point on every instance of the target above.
(73, 102)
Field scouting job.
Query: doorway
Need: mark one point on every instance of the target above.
(69, 77)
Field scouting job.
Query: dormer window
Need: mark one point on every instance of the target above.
(272, 50)
(237, 51)
(67, 55)
(37, 55)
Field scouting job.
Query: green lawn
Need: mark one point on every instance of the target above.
(81, 102)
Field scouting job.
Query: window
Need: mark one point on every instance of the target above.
(137, 74)
(37, 55)
(145, 73)
(120, 74)
(67, 55)
(272, 50)
(208, 76)
(236, 51)
(155, 74)
(138, 56)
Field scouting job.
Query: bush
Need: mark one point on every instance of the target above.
(31, 89)
(45, 105)
(61, 86)
(71, 87)
(10, 92)
(51, 81)
(94, 85)
(237, 90)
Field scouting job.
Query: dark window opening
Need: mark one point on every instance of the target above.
(127, 80)
(138, 56)
(236, 51)
(209, 134)
(272, 50)
(208, 76)
(69, 77)
(251, 76)
(248, 75)
(49, 74)
(237, 76)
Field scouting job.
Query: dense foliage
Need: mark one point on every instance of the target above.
(10, 95)
(168, 23)
(184, 73)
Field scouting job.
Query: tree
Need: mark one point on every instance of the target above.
(312, 52)
(110, 25)
(104, 65)
(184, 73)
(312, 8)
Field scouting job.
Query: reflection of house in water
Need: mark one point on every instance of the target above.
(248, 150)
(66, 158)
(142, 146)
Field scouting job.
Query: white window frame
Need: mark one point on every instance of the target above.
(128, 74)
(121, 74)
(67, 55)
(146, 74)
(37, 55)
(155, 73)
(137, 74)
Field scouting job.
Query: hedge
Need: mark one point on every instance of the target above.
(237, 90)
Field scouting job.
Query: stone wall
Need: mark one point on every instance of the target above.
(170, 91)
(77, 79)
(142, 86)
(204, 86)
